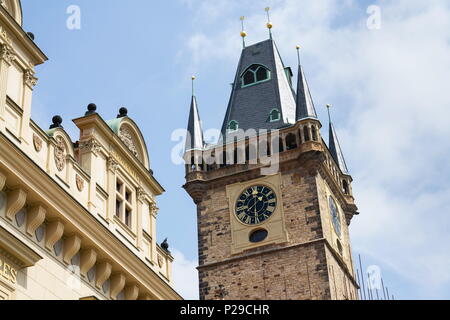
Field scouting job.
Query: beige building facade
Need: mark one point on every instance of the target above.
(77, 219)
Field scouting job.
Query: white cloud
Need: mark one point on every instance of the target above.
(390, 89)
(185, 276)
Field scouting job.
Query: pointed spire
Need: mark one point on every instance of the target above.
(335, 147)
(305, 104)
(194, 140)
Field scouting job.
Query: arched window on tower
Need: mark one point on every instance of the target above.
(291, 141)
(314, 133)
(306, 133)
(255, 74)
(345, 186)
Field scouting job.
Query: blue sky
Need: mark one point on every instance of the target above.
(388, 86)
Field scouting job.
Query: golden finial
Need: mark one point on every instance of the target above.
(193, 79)
(298, 53)
(269, 24)
(243, 33)
(297, 47)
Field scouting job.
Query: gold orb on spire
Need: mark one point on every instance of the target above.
(269, 24)
(193, 77)
(243, 34)
(297, 47)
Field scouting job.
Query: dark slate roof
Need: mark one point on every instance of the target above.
(305, 104)
(250, 106)
(194, 139)
(336, 151)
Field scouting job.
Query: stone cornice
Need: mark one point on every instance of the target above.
(59, 201)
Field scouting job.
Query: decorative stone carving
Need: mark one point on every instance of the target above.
(37, 142)
(113, 165)
(29, 78)
(141, 194)
(60, 154)
(80, 183)
(7, 53)
(160, 261)
(91, 145)
(153, 208)
(127, 137)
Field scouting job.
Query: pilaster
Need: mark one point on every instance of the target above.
(7, 56)
(30, 81)
(153, 214)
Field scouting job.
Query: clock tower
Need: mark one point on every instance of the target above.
(274, 201)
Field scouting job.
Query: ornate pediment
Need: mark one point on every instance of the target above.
(127, 136)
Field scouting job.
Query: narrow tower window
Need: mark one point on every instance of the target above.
(255, 74)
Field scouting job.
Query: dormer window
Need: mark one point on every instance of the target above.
(275, 115)
(255, 74)
(233, 126)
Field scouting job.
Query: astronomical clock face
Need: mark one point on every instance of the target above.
(256, 205)
(335, 217)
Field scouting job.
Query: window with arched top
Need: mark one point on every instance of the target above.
(233, 126)
(275, 115)
(254, 74)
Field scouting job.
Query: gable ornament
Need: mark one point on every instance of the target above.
(60, 152)
(37, 142)
(80, 183)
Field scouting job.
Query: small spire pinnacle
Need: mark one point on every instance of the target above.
(329, 115)
(269, 24)
(298, 53)
(243, 33)
(193, 81)
(335, 147)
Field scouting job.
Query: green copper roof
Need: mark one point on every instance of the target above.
(51, 132)
(114, 124)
